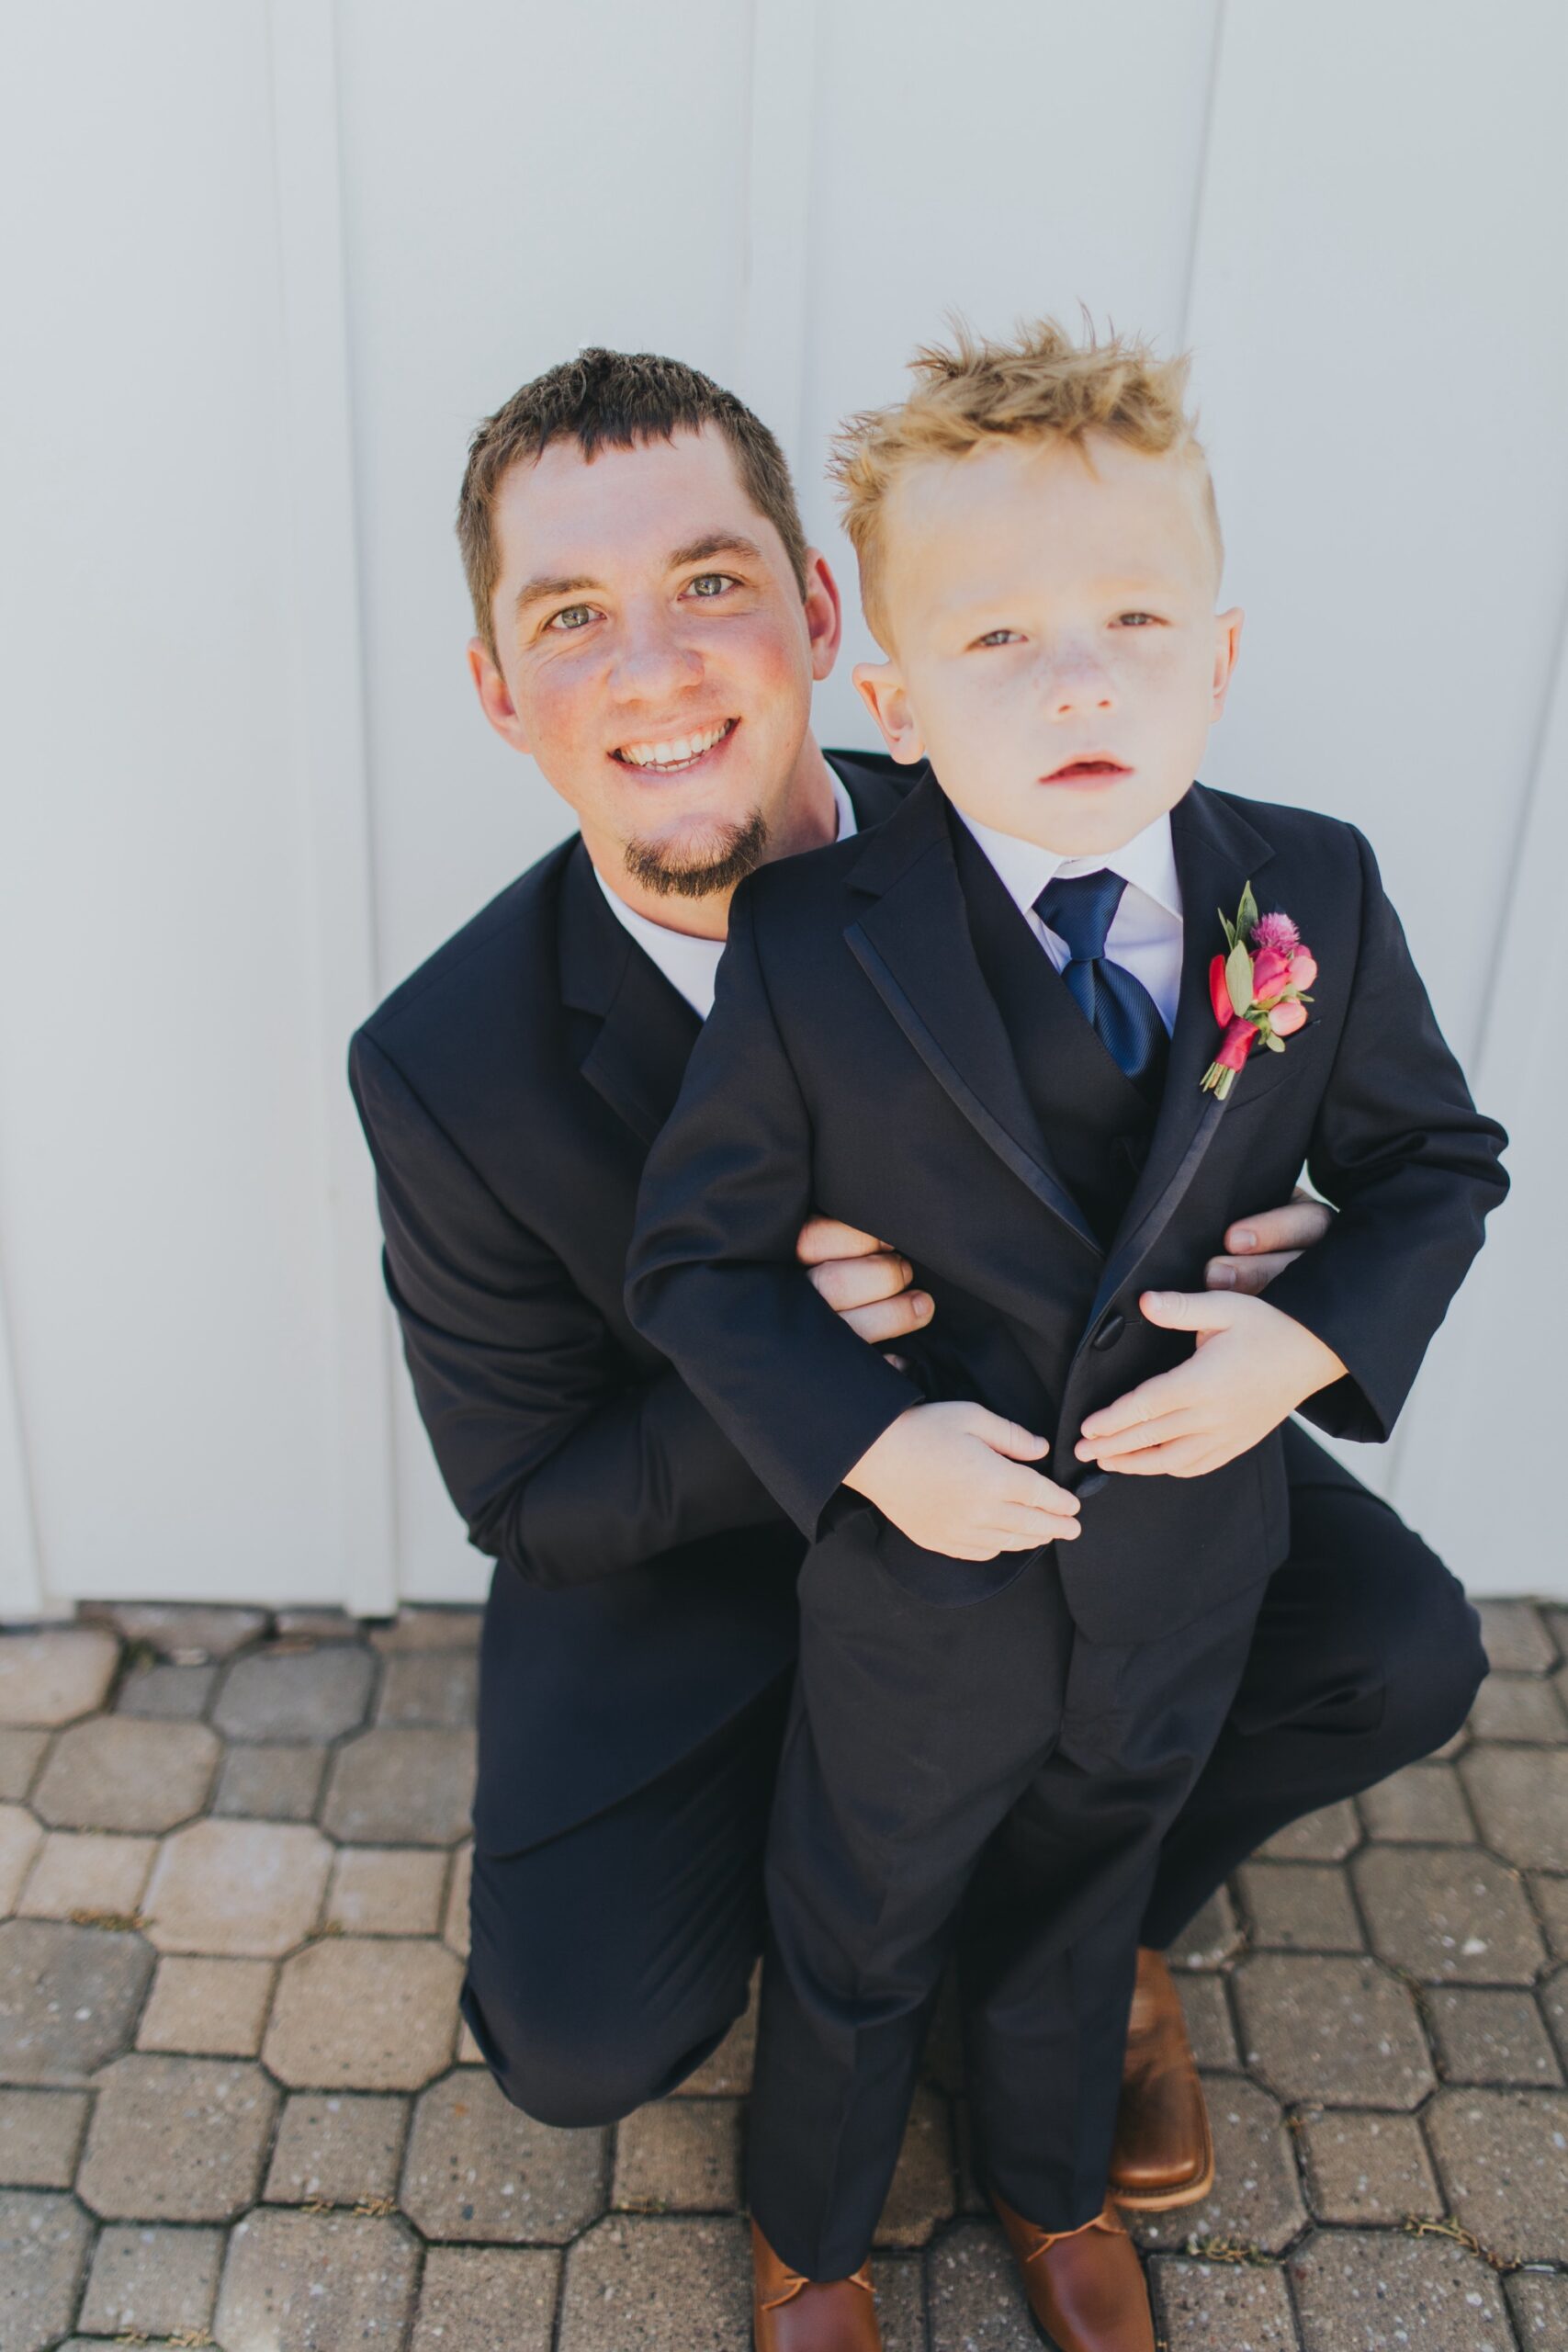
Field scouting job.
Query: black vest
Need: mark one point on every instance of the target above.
(1095, 1122)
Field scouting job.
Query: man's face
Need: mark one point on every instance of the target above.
(1048, 611)
(656, 656)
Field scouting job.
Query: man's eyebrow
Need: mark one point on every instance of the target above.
(534, 591)
(716, 543)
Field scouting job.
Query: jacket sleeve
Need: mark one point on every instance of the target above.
(561, 1466)
(713, 1279)
(1413, 1168)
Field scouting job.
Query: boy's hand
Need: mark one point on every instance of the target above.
(864, 1281)
(1261, 1246)
(1252, 1368)
(955, 1478)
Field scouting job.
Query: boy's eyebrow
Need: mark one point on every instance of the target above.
(546, 585)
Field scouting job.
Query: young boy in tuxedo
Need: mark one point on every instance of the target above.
(993, 1028)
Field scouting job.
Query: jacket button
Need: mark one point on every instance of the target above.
(1110, 1329)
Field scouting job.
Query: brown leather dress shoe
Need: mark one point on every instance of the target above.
(1085, 2286)
(1163, 2154)
(790, 2313)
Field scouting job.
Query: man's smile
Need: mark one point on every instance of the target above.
(682, 751)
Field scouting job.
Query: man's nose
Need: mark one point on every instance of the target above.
(653, 660)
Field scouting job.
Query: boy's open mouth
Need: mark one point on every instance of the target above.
(1093, 767)
(682, 751)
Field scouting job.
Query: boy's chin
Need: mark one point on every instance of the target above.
(1075, 822)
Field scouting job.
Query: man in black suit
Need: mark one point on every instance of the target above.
(639, 576)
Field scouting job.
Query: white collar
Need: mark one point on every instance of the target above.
(1148, 861)
(689, 963)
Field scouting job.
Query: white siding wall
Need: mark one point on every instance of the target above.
(268, 266)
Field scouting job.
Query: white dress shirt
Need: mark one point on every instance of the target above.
(1145, 938)
(692, 965)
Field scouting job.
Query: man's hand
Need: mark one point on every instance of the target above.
(1253, 1366)
(955, 1478)
(863, 1279)
(1262, 1246)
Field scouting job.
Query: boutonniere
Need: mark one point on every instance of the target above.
(1256, 991)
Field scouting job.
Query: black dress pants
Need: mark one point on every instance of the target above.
(607, 1963)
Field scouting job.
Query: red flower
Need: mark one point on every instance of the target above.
(1271, 973)
(1239, 1039)
(1219, 995)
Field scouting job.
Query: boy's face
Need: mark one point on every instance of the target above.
(1048, 608)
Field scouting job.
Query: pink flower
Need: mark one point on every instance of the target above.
(1286, 1019)
(1239, 1040)
(1271, 972)
(1277, 931)
(1303, 968)
(1219, 995)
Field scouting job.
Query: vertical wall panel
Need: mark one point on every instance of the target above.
(519, 181)
(161, 1197)
(1001, 163)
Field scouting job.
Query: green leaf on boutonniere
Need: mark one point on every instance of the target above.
(1275, 1044)
(1238, 979)
(1247, 915)
(1229, 929)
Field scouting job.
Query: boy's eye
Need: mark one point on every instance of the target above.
(709, 585)
(570, 617)
(1150, 617)
(997, 637)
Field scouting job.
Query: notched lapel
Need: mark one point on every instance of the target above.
(913, 943)
(1218, 851)
(644, 1029)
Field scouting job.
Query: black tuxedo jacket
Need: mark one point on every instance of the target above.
(855, 1061)
(509, 1090)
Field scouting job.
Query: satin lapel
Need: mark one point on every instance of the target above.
(1217, 853)
(644, 1029)
(913, 945)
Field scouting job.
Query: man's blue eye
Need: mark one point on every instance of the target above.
(709, 584)
(571, 616)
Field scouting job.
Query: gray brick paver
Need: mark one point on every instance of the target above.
(672, 2284)
(1379, 2292)
(412, 1786)
(1340, 2033)
(43, 2248)
(1448, 1915)
(316, 2282)
(1540, 2305)
(1519, 1796)
(69, 1996)
(487, 2299)
(40, 2137)
(286, 1694)
(126, 1772)
(977, 2302)
(1503, 2158)
(1491, 2037)
(478, 2170)
(1298, 1907)
(183, 1630)
(177, 2139)
(55, 1674)
(151, 2279)
(1214, 2307)
(364, 2013)
(1367, 2168)
(342, 2146)
(1514, 1636)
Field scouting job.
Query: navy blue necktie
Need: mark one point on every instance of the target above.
(1080, 907)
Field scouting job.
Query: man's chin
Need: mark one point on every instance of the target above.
(710, 862)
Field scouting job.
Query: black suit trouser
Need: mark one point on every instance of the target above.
(937, 1752)
(608, 1961)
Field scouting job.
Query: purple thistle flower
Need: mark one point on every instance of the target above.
(1277, 931)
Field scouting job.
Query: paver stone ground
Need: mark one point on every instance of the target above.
(315, 2282)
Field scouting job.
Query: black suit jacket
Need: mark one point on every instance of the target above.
(854, 1060)
(509, 1090)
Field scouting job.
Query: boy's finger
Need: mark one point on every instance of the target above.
(1166, 1393)
(856, 1281)
(1006, 1437)
(1187, 1310)
(1172, 1461)
(1159, 1432)
(827, 1237)
(891, 1318)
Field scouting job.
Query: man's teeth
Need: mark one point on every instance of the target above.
(676, 755)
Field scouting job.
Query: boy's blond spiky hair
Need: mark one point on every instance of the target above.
(1040, 387)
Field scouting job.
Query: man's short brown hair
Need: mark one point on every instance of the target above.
(613, 399)
(1041, 387)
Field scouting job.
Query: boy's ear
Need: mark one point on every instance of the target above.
(495, 695)
(1227, 645)
(881, 687)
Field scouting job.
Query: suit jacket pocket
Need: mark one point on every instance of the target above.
(937, 1579)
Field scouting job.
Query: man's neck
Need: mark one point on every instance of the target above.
(809, 819)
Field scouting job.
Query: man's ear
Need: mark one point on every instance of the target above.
(881, 687)
(824, 615)
(495, 694)
(1227, 645)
